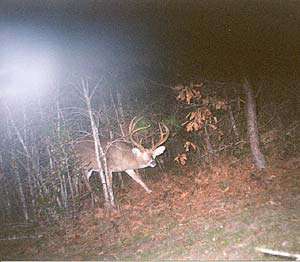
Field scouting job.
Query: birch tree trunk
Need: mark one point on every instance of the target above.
(258, 157)
(21, 192)
(8, 202)
(16, 171)
(119, 110)
(100, 155)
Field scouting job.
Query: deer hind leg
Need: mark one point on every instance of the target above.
(136, 177)
(121, 182)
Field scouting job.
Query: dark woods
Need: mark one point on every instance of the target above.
(42, 180)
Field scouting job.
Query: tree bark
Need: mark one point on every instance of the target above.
(233, 123)
(207, 141)
(100, 155)
(258, 157)
(21, 192)
(121, 121)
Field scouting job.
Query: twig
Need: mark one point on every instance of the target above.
(224, 147)
(278, 253)
(21, 237)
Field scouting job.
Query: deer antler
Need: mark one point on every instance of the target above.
(133, 130)
(163, 135)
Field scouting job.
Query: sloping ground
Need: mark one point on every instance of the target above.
(223, 213)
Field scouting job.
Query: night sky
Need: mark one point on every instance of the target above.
(163, 40)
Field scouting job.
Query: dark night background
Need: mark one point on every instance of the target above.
(218, 39)
(167, 42)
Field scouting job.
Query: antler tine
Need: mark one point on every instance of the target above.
(133, 123)
(163, 135)
(133, 130)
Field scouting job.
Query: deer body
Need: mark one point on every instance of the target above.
(122, 155)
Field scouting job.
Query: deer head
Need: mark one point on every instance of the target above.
(147, 156)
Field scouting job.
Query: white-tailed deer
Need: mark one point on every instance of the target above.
(123, 155)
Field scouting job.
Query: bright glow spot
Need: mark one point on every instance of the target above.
(28, 73)
(31, 72)
(28, 67)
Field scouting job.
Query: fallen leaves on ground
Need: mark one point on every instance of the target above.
(176, 200)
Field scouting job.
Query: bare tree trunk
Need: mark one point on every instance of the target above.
(63, 190)
(121, 110)
(21, 192)
(3, 205)
(8, 202)
(31, 191)
(233, 123)
(258, 157)
(208, 143)
(70, 182)
(121, 120)
(42, 185)
(30, 159)
(16, 171)
(69, 179)
(232, 120)
(100, 155)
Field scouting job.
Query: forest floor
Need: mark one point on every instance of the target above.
(222, 213)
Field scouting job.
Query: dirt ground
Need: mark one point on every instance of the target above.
(222, 213)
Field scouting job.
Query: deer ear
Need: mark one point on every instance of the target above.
(158, 151)
(136, 151)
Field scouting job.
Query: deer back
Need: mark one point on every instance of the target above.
(120, 156)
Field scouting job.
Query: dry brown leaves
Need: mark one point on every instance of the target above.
(176, 200)
(188, 93)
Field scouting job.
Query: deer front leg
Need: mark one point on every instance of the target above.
(138, 179)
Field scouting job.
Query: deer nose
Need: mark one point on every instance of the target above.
(152, 163)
